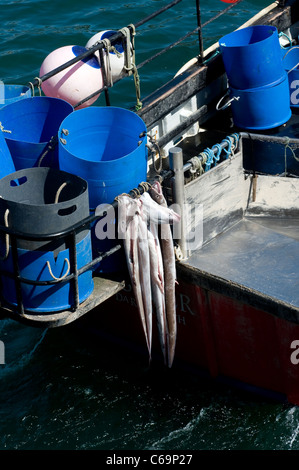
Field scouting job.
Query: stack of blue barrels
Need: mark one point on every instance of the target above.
(258, 82)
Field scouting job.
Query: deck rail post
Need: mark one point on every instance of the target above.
(178, 194)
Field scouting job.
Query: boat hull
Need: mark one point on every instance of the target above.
(219, 337)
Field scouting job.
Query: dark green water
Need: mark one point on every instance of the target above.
(60, 389)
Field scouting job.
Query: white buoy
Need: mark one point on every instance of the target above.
(117, 60)
(76, 82)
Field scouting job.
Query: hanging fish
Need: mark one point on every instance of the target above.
(152, 277)
(156, 213)
(128, 223)
(157, 285)
(145, 274)
(169, 274)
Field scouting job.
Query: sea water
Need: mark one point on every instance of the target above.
(64, 389)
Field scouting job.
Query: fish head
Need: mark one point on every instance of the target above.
(157, 193)
(127, 208)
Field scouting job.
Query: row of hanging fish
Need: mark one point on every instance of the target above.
(151, 263)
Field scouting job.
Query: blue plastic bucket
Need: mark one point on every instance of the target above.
(45, 201)
(105, 146)
(261, 108)
(252, 57)
(7, 165)
(290, 59)
(11, 93)
(32, 123)
(43, 266)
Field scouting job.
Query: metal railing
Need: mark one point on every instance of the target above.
(119, 36)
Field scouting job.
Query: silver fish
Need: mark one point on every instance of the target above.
(157, 284)
(145, 274)
(156, 213)
(128, 222)
(169, 274)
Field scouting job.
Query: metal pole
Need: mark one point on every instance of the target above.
(200, 41)
(284, 140)
(176, 164)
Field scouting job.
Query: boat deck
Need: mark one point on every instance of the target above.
(259, 253)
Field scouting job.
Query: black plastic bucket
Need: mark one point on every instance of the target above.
(44, 201)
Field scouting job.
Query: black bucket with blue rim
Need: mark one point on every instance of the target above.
(42, 202)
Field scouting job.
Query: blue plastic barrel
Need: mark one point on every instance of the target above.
(105, 146)
(261, 108)
(252, 57)
(11, 93)
(32, 123)
(43, 266)
(44, 201)
(7, 165)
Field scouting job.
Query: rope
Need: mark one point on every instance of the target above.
(130, 62)
(217, 155)
(196, 163)
(108, 63)
(51, 146)
(39, 84)
(3, 258)
(59, 191)
(62, 277)
(230, 144)
(32, 88)
(210, 157)
(65, 259)
(287, 145)
(153, 143)
(4, 130)
(145, 186)
(119, 195)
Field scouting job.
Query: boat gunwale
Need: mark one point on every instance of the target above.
(244, 295)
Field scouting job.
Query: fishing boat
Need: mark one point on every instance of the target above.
(221, 140)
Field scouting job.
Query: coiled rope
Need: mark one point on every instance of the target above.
(130, 62)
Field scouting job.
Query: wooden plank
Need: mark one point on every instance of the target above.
(103, 290)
